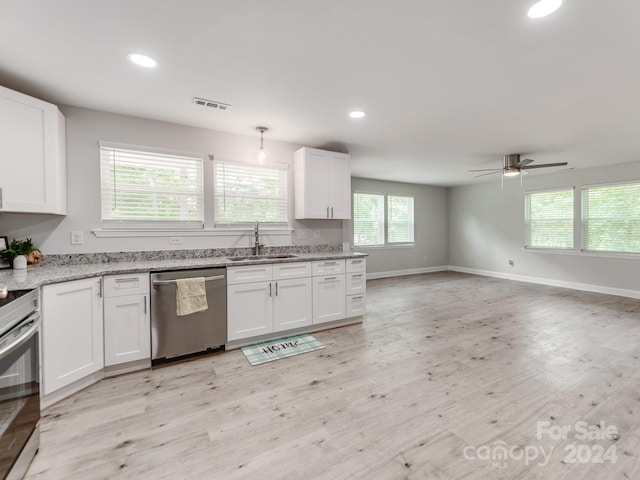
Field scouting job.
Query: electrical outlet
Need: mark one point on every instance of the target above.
(175, 240)
(77, 237)
(316, 234)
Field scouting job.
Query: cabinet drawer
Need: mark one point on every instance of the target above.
(356, 305)
(249, 273)
(119, 285)
(282, 271)
(356, 265)
(327, 267)
(356, 283)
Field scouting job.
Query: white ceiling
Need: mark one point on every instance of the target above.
(448, 85)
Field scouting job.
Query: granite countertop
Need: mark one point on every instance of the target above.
(34, 277)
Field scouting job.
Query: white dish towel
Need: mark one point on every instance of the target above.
(191, 296)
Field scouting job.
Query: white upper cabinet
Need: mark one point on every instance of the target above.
(322, 184)
(32, 155)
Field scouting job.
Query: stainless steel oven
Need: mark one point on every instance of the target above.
(19, 381)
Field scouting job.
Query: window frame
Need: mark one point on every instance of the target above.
(527, 220)
(385, 233)
(131, 225)
(283, 225)
(584, 224)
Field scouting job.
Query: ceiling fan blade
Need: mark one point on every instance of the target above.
(524, 162)
(487, 170)
(485, 174)
(560, 164)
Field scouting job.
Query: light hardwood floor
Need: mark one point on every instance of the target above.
(444, 364)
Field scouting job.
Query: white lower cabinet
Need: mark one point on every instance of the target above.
(72, 335)
(249, 310)
(328, 298)
(292, 304)
(276, 304)
(127, 329)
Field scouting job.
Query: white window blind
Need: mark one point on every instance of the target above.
(549, 219)
(400, 219)
(150, 190)
(368, 219)
(244, 193)
(611, 218)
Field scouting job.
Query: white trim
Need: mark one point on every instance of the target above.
(146, 149)
(101, 233)
(410, 271)
(389, 246)
(621, 292)
(584, 253)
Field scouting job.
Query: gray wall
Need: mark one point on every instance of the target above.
(430, 215)
(86, 127)
(486, 230)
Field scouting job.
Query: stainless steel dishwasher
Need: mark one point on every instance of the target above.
(174, 336)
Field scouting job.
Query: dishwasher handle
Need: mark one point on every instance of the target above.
(171, 282)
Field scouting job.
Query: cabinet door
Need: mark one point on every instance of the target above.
(249, 310)
(32, 141)
(311, 179)
(72, 339)
(127, 332)
(317, 185)
(339, 186)
(292, 304)
(329, 302)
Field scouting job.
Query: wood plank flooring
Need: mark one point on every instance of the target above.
(446, 370)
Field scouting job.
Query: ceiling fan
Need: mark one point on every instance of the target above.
(513, 166)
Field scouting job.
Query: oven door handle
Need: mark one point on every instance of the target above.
(24, 336)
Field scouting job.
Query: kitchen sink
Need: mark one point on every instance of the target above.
(260, 257)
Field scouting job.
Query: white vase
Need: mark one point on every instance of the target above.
(20, 262)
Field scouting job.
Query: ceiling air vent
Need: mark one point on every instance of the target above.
(211, 103)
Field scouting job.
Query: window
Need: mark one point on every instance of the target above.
(150, 189)
(611, 218)
(244, 193)
(368, 219)
(380, 219)
(549, 219)
(400, 219)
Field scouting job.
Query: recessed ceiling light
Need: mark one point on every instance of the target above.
(142, 60)
(357, 114)
(543, 8)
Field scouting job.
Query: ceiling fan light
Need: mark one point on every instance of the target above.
(511, 172)
(542, 8)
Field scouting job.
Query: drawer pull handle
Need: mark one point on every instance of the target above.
(357, 298)
(330, 263)
(330, 278)
(357, 275)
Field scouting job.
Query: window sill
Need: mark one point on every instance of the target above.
(383, 247)
(102, 233)
(554, 251)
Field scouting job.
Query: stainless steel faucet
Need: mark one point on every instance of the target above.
(257, 245)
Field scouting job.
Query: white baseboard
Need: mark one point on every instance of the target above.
(621, 292)
(411, 271)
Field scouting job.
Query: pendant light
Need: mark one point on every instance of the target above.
(262, 153)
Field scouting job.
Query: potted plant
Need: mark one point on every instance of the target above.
(21, 252)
